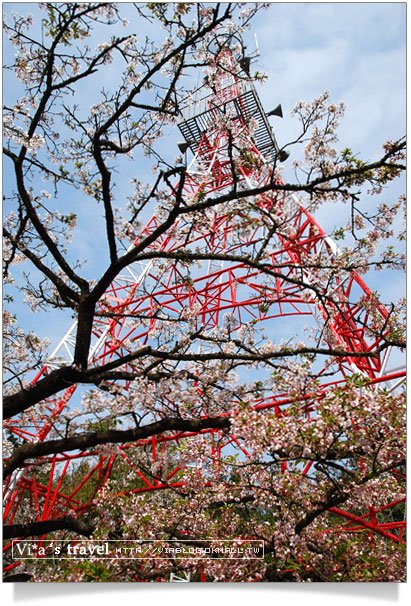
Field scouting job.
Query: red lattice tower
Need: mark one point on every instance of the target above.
(147, 287)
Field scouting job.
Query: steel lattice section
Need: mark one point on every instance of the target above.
(160, 286)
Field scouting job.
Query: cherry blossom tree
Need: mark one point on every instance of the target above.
(300, 466)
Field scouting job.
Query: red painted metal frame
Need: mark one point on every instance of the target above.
(234, 287)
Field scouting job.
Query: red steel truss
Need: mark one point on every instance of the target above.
(227, 157)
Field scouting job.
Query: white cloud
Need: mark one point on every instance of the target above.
(355, 50)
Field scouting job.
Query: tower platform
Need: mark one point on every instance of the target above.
(240, 100)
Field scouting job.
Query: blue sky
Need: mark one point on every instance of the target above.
(355, 50)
